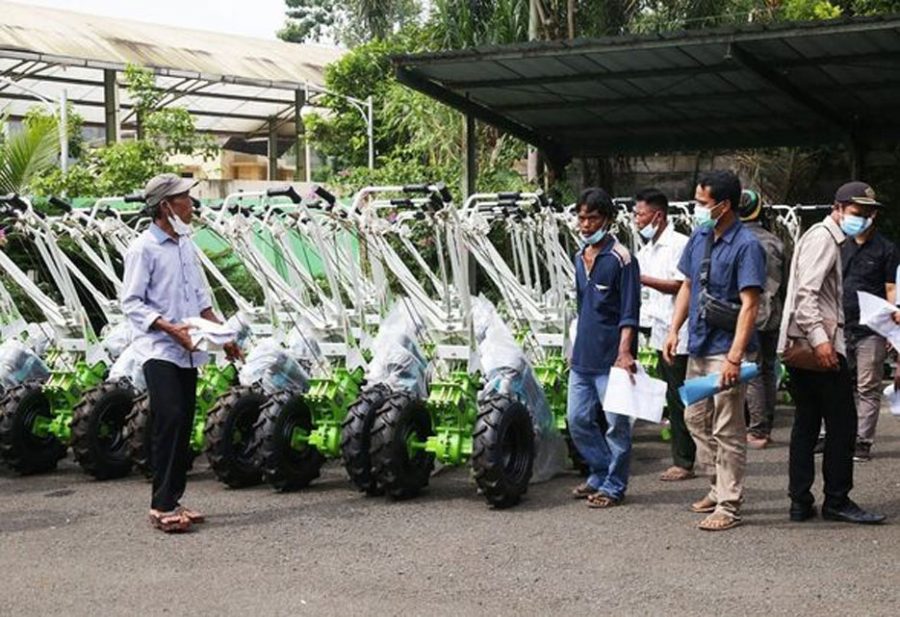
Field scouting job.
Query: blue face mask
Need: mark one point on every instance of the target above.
(648, 231)
(703, 217)
(594, 238)
(853, 225)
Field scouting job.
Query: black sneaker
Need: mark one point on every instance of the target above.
(862, 453)
(819, 448)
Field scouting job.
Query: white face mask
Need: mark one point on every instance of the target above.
(178, 226)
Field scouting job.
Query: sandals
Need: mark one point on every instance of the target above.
(583, 491)
(602, 500)
(169, 522)
(704, 506)
(719, 522)
(676, 474)
(193, 516)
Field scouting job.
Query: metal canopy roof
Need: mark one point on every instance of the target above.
(230, 84)
(755, 86)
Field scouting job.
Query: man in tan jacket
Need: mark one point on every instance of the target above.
(812, 327)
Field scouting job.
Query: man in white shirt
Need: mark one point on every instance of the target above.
(660, 282)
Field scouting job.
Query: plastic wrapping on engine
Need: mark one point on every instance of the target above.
(397, 360)
(508, 371)
(18, 364)
(117, 339)
(275, 368)
(129, 366)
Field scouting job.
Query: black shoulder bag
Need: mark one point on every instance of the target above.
(716, 313)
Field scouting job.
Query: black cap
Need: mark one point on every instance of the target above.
(856, 193)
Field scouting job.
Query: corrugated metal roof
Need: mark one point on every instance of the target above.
(122, 41)
(236, 81)
(783, 84)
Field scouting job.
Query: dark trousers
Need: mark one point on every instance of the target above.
(763, 390)
(173, 398)
(683, 447)
(822, 396)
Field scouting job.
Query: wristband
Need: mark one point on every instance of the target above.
(730, 361)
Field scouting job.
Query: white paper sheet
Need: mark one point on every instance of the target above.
(208, 335)
(875, 313)
(644, 399)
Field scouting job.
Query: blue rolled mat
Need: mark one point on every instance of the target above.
(699, 388)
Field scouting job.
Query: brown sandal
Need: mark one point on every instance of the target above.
(193, 516)
(704, 506)
(602, 500)
(719, 522)
(676, 474)
(583, 491)
(170, 522)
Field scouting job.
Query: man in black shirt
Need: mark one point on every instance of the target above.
(869, 263)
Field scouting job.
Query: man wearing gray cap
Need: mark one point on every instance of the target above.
(813, 348)
(164, 285)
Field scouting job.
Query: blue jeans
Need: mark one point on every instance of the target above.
(607, 454)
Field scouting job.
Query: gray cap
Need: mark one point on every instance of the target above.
(166, 185)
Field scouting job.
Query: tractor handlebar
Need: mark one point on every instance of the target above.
(288, 191)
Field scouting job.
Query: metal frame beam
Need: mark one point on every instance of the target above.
(417, 82)
(784, 84)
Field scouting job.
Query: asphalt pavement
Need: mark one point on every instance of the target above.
(73, 546)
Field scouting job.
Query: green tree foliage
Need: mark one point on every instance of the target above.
(28, 153)
(350, 22)
(126, 166)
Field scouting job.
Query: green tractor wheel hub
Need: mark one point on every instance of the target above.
(64, 390)
(413, 445)
(300, 438)
(453, 407)
(328, 399)
(214, 381)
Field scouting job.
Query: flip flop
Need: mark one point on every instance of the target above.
(704, 506)
(602, 500)
(719, 522)
(676, 474)
(170, 522)
(583, 491)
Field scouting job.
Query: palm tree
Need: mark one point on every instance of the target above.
(27, 153)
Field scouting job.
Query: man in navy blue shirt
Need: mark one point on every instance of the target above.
(736, 275)
(608, 285)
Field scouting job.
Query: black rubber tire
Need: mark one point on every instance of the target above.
(229, 433)
(104, 457)
(22, 450)
(398, 474)
(502, 449)
(138, 435)
(355, 438)
(284, 468)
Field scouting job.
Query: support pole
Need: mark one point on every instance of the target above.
(470, 164)
(111, 106)
(470, 173)
(273, 149)
(63, 131)
(301, 171)
(370, 128)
